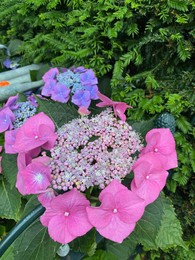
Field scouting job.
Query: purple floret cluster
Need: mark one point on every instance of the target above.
(93, 152)
(79, 84)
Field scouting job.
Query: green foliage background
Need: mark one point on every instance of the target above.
(144, 49)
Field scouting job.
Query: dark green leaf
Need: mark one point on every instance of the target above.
(123, 250)
(35, 244)
(60, 113)
(102, 255)
(10, 201)
(148, 226)
(10, 168)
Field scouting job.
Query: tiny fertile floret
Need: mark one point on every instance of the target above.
(92, 152)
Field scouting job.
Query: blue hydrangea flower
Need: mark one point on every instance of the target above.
(81, 98)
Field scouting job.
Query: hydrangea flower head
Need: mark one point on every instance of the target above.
(118, 213)
(66, 216)
(149, 178)
(161, 143)
(78, 83)
(93, 151)
(118, 107)
(37, 131)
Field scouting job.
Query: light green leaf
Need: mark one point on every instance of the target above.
(35, 244)
(10, 201)
(60, 113)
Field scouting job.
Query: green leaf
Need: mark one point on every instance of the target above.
(8, 255)
(85, 244)
(30, 205)
(60, 113)
(10, 201)
(170, 232)
(123, 250)
(9, 168)
(35, 244)
(142, 127)
(102, 255)
(14, 46)
(148, 226)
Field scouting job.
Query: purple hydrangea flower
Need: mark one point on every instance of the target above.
(93, 90)
(81, 98)
(88, 78)
(48, 87)
(60, 93)
(50, 74)
(6, 119)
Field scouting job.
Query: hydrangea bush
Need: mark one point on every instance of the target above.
(90, 171)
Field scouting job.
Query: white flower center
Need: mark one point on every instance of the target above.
(38, 177)
(155, 150)
(66, 214)
(115, 210)
(147, 177)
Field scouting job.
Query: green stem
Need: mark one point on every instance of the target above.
(20, 227)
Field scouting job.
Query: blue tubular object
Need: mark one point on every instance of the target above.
(20, 227)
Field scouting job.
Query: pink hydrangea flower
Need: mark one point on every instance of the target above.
(118, 213)
(34, 178)
(161, 143)
(149, 178)
(37, 131)
(66, 217)
(119, 107)
(0, 159)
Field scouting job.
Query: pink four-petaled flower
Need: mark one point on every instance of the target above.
(149, 178)
(37, 131)
(161, 144)
(66, 216)
(118, 213)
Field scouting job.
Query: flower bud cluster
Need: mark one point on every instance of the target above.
(24, 111)
(93, 152)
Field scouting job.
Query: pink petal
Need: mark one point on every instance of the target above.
(46, 196)
(112, 188)
(130, 207)
(36, 131)
(83, 111)
(69, 200)
(59, 230)
(99, 217)
(116, 231)
(10, 137)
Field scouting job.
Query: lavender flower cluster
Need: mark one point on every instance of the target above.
(80, 84)
(90, 152)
